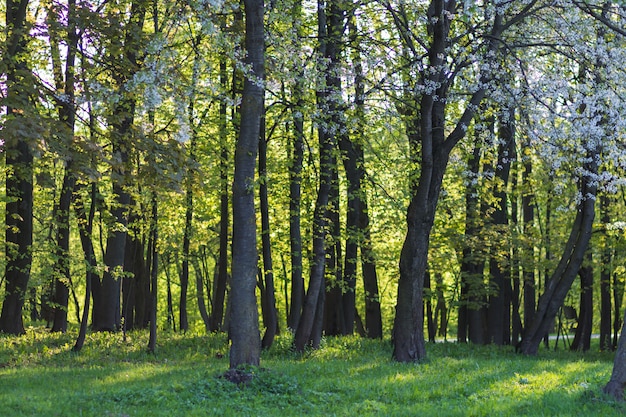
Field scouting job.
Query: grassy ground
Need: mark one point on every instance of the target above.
(39, 376)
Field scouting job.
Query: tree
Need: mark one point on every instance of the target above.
(586, 116)
(124, 53)
(499, 310)
(616, 385)
(19, 160)
(309, 329)
(436, 144)
(64, 83)
(244, 324)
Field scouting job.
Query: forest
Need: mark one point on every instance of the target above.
(409, 171)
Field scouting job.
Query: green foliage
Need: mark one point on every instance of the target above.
(347, 376)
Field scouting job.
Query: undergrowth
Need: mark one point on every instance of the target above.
(116, 376)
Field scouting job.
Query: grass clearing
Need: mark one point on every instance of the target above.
(39, 375)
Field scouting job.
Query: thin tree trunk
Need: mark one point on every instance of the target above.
(85, 229)
(582, 338)
(516, 319)
(217, 301)
(64, 82)
(295, 180)
(200, 297)
(528, 264)
(154, 272)
(295, 233)
(270, 316)
(605, 278)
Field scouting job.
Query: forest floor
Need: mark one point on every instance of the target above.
(113, 377)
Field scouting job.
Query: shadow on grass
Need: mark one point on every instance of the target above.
(348, 376)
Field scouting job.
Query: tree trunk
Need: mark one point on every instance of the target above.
(561, 280)
(200, 297)
(154, 272)
(373, 318)
(528, 264)
(184, 273)
(19, 178)
(618, 296)
(472, 304)
(62, 264)
(295, 233)
(334, 309)
(516, 319)
(244, 323)
(408, 329)
(85, 229)
(605, 277)
(270, 316)
(311, 320)
(64, 81)
(617, 383)
(499, 312)
(582, 338)
(108, 318)
(217, 301)
(295, 178)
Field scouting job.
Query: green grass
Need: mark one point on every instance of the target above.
(40, 376)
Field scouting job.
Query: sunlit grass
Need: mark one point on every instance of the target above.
(39, 375)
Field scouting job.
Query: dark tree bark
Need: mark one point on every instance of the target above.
(295, 233)
(295, 180)
(618, 296)
(573, 254)
(472, 317)
(108, 317)
(516, 319)
(582, 338)
(617, 383)
(441, 309)
(339, 306)
(270, 315)
(334, 313)
(153, 262)
(64, 82)
(605, 278)
(62, 264)
(200, 297)
(499, 312)
(408, 330)
(19, 178)
(135, 289)
(244, 323)
(184, 273)
(373, 317)
(171, 321)
(219, 294)
(85, 229)
(310, 324)
(528, 264)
